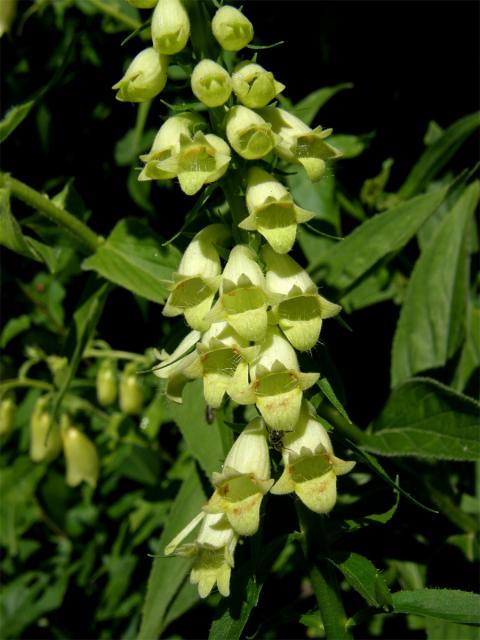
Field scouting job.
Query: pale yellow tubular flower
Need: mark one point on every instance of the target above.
(311, 468)
(245, 479)
(81, 458)
(179, 367)
(248, 133)
(45, 439)
(232, 30)
(272, 211)
(211, 83)
(254, 86)
(170, 27)
(144, 79)
(299, 309)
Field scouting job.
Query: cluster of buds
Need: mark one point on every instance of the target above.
(249, 317)
(48, 438)
(130, 390)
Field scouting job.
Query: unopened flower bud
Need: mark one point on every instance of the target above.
(211, 83)
(232, 30)
(170, 27)
(273, 213)
(81, 458)
(107, 382)
(131, 390)
(8, 410)
(144, 79)
(45, 440)
(248, 133)
(254, 86)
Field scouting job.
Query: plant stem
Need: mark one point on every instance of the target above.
(107, 353)
(142, 114)
(25, 382)
(111, 10)
(58, 215)
(348, 429)
(316, 548)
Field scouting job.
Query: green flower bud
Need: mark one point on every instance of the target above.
(211, 84)
(232, 30)
(243, 301)
(81, 458)
(300, 310)
(142, 4)
(107, 382)
(197, 280)
(311, 468)
(167, 144)
(296, 142)
(8, 410)
(254, 86)
(248, 133)
(170, 27)
(144, 79)
(45, 439)
(131, 390)
(244, 481)
(212, 552)
(272, 210)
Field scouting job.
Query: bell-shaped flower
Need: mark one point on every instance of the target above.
(179, 367)
(211, 83)
(198, 277)
(248, 133)
(242, 302)
(144, 79)
(170, 27)
(81, 458)
(199, 161)
(245, 479)
(272, 211)
(254, 86)
(106, 382)
(212, 552)
(232, 30)
(276, 383)
(311, 468)
(224, 357)
(45, 439)
(297, 142)
(300, 309)
(167, 145)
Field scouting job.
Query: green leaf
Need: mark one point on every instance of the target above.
(14, 116)
(82, 330)
(13, 328)
(426, 419)
(168, 573)
(208, 443)
(317, 197)
(437, 629)
(362, 576)
(184, 600)
(431, 324)
(232, 615)
(438, 153)
(378, 237)
(327, 390)
(308, 108)
(447, 604)
(470, 357)
(133, 257)
(350, 146)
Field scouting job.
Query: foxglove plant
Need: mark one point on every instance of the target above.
(249, 317)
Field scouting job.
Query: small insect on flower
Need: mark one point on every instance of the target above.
(210, 414)
(276, 439)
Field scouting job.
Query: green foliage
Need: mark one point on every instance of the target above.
(90, 561)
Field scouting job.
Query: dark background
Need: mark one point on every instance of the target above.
(410, 62)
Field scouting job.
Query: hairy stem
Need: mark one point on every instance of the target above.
(58, 215)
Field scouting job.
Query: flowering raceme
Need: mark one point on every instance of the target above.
(250, 306)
